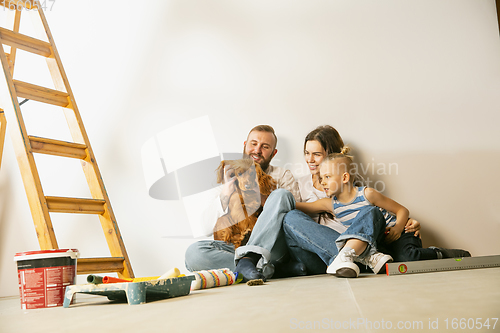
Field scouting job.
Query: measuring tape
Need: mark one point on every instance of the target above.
(439, 265)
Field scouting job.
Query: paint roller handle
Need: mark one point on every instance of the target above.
(109, 279)
(95, 279)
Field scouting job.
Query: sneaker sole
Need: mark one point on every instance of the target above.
(346, 273)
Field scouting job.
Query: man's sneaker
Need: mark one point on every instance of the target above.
(450, 253)
(268, 270)
(376, 261)
(343, 265)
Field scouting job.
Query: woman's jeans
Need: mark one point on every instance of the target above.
(267, 239)
(407, 248)
(316, 245)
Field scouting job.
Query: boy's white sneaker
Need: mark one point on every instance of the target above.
(343, 265)
(376, 261)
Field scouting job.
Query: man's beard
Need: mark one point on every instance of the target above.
(264, 164)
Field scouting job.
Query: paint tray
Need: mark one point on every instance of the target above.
(134, 292)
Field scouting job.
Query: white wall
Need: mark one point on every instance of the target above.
(411, 82)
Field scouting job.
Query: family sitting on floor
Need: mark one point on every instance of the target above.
(326, 222)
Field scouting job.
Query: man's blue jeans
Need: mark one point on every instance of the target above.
(309, 241)
(267, 239)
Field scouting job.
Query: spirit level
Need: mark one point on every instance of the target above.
(439, 265)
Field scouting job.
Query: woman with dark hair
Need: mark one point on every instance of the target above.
(311, 238)
(318, 144)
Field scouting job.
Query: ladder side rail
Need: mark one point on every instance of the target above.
(25, 159)
(3, 128)
(15, 22)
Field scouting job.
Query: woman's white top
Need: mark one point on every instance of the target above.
(309, 193)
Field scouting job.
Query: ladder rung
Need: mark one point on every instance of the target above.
(26, 43)
(75, 205)
(41, 94)
(99, 265)
(58, 148)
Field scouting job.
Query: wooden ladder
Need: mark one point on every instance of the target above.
(25, 145)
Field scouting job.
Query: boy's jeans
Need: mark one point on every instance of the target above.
(308, 240)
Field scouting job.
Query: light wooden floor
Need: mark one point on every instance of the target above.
(370, 303)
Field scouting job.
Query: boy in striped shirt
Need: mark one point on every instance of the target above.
(367, 214)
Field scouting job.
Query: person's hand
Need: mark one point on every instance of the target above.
(228, 187)
(413, 226)
(392, 234)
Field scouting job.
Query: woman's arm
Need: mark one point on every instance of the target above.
(402, 213)
(413, 226)
(318, 206)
